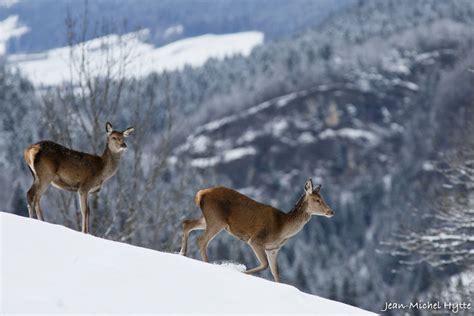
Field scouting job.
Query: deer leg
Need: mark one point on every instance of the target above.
(261, 256)
(204, 240)
(84, 211)
(272, 258)
(188, 227)
(39, 211)
(42, 187)
(31, 197)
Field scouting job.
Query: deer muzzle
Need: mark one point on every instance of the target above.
(330, 213)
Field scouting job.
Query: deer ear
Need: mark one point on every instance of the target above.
(318, 188)
(128, 131)
(108, 128)
(308, 187)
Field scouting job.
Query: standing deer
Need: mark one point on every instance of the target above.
(264, 228)
(71, 170)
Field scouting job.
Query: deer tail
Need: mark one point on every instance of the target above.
(29, 155)
(198, 198)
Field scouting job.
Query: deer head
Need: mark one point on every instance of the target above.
(315, 202)
(115, 139)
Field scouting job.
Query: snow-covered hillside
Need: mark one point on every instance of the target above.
(52, 67)
(48, 268)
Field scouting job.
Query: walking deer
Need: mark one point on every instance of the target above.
(67, 169)
(264, 228)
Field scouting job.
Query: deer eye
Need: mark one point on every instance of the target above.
(114, 138)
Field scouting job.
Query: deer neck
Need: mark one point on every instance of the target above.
(111, 162)
(296, 218)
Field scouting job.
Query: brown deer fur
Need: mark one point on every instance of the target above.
(71, 170)
(264, 228)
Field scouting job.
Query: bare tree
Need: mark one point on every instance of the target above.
(449, 239)
(442, 233)
(100, 88)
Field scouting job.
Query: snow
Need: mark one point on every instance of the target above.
(52, 67)
(466, 278)
(248, 136)
(350, 133)
(277, 126)
(428, 166)
(397, 64)
(9, 29)
(279, 101)
(387, 182)
(233, 266)
(386, 115)
(405, 84)
(397, 128)
(352, 109)
(364, 85)
(173, 30)
(258, 108)
(287, 98)
(201, 143)
(410, 85)
(443, 236)
(49, 269)
(427, 58)
(8, 3)
(306, 138)
(238, 153)
(205, 162)
(212, 126)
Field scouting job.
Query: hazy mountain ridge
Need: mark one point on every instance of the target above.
(333, 52)
(167, 20)
(51, 68)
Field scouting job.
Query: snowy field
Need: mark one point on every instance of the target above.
(140, 58)
(48, 268)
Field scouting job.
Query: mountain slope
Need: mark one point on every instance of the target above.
(168, 20)
(52, 67)
(368, 136)
(48, 268)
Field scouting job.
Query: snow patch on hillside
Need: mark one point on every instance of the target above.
(281, 101)
(238, 153)
(200, 144)
(464, 280)
(227, 156)
(48, 269)
(52, 67)
(249, 136)
(173, 30)
(8, 3)
(205, 162)
(10, 29)
(350, 133)
(306, 138)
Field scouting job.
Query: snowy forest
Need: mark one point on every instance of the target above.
(374, 100)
